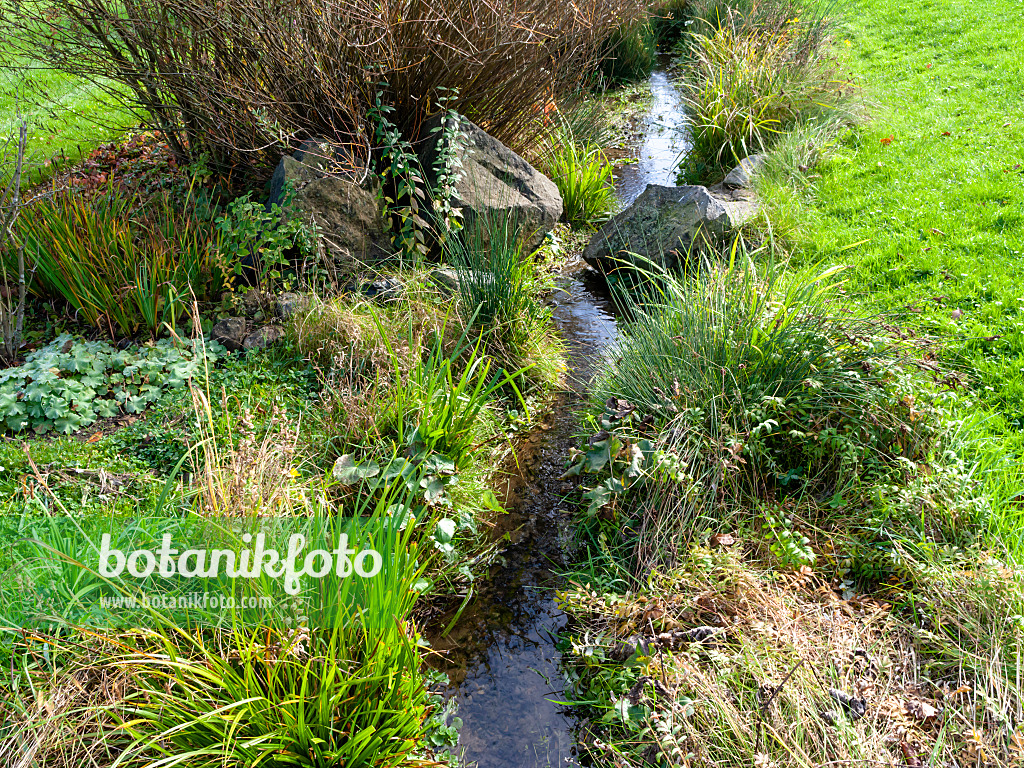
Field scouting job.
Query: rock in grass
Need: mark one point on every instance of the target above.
(290, 303)
(449, 281)
(662, 226)
(327, 191)
(742, 176)
(383, 289)
(263, 337)
(496, 185)
(231, 332)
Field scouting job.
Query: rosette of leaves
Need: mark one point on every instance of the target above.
(70, 383)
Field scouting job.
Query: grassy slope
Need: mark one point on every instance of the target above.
(66, 116)
(940, 218)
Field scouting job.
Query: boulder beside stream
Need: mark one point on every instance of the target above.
(661, 227)
(327, 191)
(496, 185)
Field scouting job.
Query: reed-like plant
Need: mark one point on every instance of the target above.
(752, 73)
(755, 384)
(583, 176)
(629, 52)
(120, 266)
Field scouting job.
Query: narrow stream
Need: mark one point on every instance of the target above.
(658, 153)
(500, 656)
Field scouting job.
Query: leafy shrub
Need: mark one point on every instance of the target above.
(220, 90)
(70, 384)
(753, 73)
(120, 265)
(583, 176)
(734, 387)
(254, 241)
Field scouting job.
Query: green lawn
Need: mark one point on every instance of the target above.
(66, 116)
(926, 200)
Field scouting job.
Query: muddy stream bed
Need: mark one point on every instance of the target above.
(500, 655)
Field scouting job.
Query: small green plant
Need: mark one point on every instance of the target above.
(495, 279)
(70, 384)
(439, 407)
(405, 192)
(255, 239)
(447, 169)
(791, 548)
(345, 691)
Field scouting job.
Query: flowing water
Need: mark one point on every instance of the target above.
(501, 656)
(662, 143)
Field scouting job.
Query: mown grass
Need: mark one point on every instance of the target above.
(67, 117)
(925, 200)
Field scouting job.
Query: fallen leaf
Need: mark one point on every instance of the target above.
(722, 540)
(922, 710)
(912, 760)
(938, 232)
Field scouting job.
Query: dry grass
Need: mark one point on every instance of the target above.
(242, 80)
(758, 691)
(61, 720)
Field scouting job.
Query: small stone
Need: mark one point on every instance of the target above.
(290, 303)
(384, 289)
(231, 332)
(263, 337)
(445, 279)
(742, 176)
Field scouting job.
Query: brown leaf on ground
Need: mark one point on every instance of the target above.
(923, 711)
(722, 540)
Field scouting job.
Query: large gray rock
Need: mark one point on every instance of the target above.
(664, 223)
(496, 185)
(327, 191)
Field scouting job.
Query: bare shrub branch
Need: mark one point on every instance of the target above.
(244, 80)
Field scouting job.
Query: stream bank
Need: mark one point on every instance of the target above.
(501, 656)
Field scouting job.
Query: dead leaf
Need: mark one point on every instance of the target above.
(722, 540)
(923, 711)
(912, 760)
